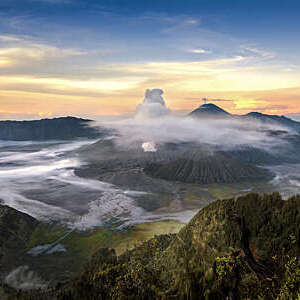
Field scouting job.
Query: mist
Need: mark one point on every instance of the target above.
(41, 182)
(25, 279)
(153, 123)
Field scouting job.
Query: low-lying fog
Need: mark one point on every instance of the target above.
(39, 179)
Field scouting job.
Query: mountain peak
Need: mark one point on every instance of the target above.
(209, 110)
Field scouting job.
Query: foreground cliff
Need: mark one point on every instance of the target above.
(246, 248)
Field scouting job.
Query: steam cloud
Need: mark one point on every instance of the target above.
(149, 147)
(153, 106)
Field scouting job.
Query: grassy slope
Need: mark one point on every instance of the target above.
(86, 243)
(82, 245)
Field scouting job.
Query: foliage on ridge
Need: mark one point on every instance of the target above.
(207, 259)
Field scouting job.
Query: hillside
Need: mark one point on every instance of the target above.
(48, 129)
(15, 231)
(273, 120)
(247, 248)
(194, 167)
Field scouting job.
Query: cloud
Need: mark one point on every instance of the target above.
(93, 87)
(5, 62)
(272, 108)
(179, 68)
(209, 99)
(25, 279)
(191, 21)
(54, 1)
(259, 52)
(220, 100)
(9, 38)
(224, 74)
(199, 51)
(36, 51)
(14, 115)
(23, 54)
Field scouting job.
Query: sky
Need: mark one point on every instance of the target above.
(96, 58)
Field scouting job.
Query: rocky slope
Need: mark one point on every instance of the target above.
(245, 248)
(47, 129)
(195, 167)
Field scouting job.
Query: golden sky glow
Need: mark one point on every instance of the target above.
(245, 81)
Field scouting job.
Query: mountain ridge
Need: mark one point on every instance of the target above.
(62, 128)
(210, 110)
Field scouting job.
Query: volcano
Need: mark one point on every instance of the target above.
(209, 110)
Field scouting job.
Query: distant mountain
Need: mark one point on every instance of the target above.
(209, 110)
(213, 111)
(273, 120)
(64, 128)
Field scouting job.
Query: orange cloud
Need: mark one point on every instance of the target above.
(5, 62)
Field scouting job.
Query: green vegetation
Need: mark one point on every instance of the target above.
(15, 231)
(195, 196)
(45, 233)
(245, 248)
(20, 233)
(87, 242)
(1, 293)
